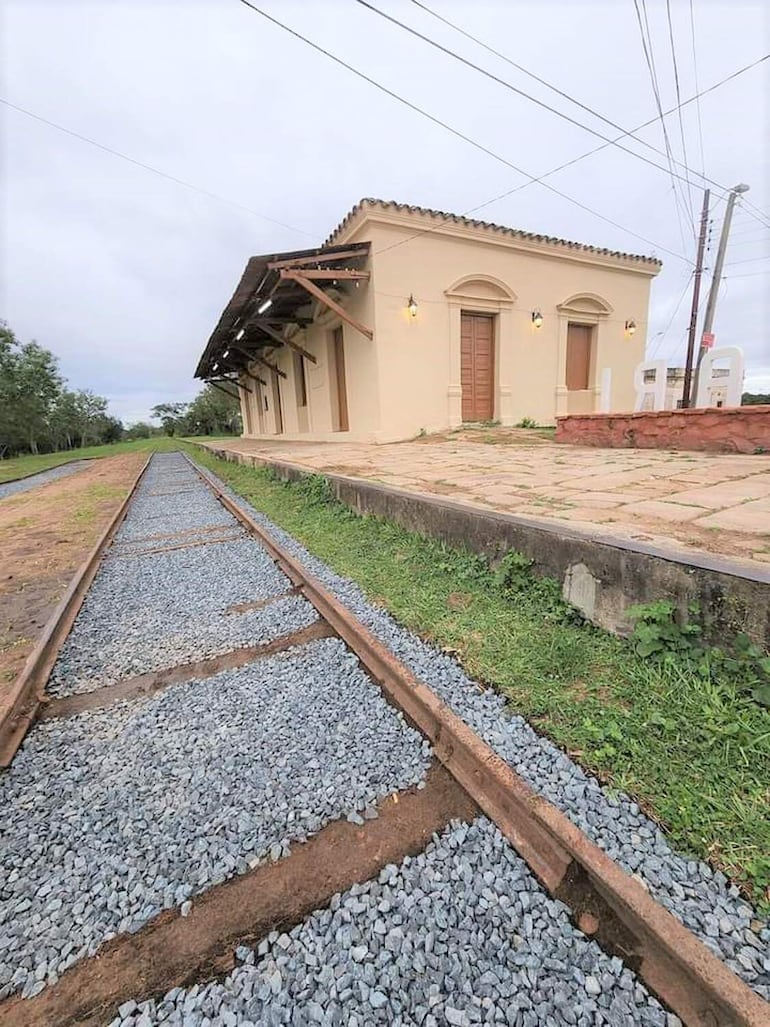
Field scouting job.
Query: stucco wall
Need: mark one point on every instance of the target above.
(408, 378)
(419, 357)
(361, 371)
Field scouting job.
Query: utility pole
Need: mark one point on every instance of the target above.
(704, 217)
(708, 320)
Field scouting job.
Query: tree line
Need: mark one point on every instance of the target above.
(212, 412)
(39, 413)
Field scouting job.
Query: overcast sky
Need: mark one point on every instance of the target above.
(123, 274)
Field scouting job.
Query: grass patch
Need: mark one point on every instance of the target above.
(692, 748)
(90, 502)
(21, 466)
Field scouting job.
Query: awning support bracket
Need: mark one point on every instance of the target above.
(281, 340)
(314, 290)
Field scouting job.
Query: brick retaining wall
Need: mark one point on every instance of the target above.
(717, 430)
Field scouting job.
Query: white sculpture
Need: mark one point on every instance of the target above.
(650, 385)
(719, 386)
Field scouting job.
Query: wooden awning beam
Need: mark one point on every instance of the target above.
(319, 294)
(277, 337)
(233, 395)
(319, 258)
(269, 330)
(273, 368)
(254, 377)
(249, 356)
(299, 349)
(317, 274)
(303, 322)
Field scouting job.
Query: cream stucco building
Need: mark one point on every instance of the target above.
(410, 319)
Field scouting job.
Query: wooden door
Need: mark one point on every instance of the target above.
(477, 366)
(342, 389)
(277, 404)
(246, 412)
(579, 339)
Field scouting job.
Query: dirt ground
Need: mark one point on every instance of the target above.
(45, 534)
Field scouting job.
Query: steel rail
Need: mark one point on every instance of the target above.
(19, 707)
(606, 902)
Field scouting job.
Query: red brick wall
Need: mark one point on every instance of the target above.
(718, 430)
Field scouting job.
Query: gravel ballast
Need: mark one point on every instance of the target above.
(114, 815)
(33, 481)
(459, 935)
(147, 611)
(704, 900)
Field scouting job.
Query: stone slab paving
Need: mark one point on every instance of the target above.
(717, 503)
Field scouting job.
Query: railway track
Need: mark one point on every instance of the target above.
(251, 798)
(35, 479)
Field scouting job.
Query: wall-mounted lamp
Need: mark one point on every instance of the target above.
(537, 319)
(411, 306)
(226, 354)
(240, 335)
(630, 327)
(264, 306)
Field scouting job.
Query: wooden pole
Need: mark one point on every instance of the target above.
(704, 217)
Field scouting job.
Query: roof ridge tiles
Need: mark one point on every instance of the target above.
(461, 219)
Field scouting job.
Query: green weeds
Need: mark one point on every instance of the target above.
(662, 716)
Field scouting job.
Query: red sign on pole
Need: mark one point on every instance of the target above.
(708, 340)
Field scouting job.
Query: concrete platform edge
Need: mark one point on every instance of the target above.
(601, 576)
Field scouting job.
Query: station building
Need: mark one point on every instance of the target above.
(409, 320)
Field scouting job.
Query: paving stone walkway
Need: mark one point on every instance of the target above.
(718, 503)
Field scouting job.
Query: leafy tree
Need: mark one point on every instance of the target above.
(755, 399)
(110, 430)
(210, 413)
(30, 386)
(214, 413)
(171, 417)
(37, 411)
(140, 430)
(91, 414)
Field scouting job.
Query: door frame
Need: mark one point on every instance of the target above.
(585, 308)
(465, 295)
(338, 382)
(494, 358)
(591, 362)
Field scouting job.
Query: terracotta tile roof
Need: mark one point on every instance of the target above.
(458, 219)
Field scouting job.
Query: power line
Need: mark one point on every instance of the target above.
(589, 153)
(519, 92)
(662, 335)
(751, 274)
(758, 214)
(148, 167)
(697, 102)
(679, 107)
(456, 132)
(747, 260)
(559, 92)
(650, 60)
(624, 134)
(749, 238)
